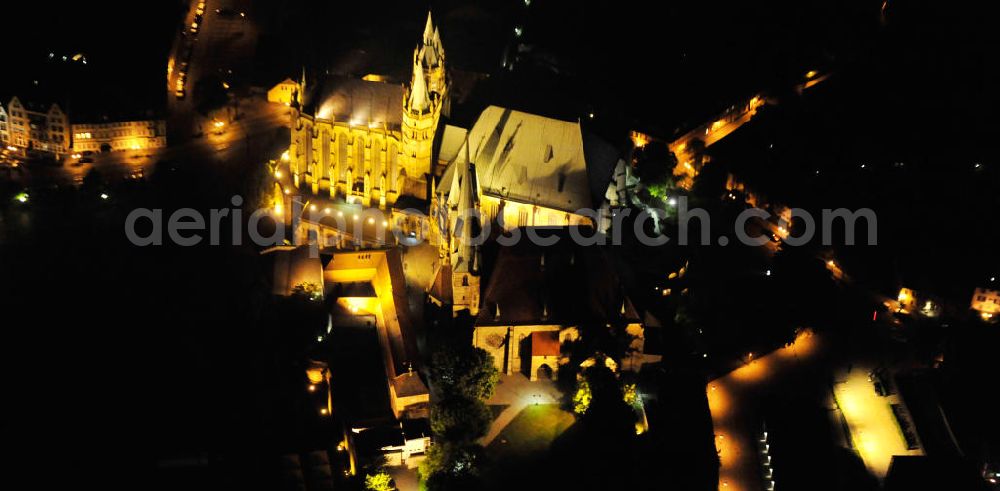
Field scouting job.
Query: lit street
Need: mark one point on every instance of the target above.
(735, 399)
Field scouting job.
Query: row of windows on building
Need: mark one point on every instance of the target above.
(102, 135)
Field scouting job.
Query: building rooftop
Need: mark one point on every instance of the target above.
(533, 159)
(452, 140)
(529, 158)
(356, 101)
(564, 284)
(409, 384)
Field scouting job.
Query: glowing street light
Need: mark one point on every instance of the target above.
(22, 197)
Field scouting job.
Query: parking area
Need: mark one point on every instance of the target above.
(876, 434)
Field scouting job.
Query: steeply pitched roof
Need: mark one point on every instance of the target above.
(360, 101)
(452, 140)
(419, 98)
(466, 224)
(561, 284)
(409, 384)
(530, 158)
(440, 288)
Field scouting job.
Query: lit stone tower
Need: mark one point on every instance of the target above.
(464, 255)
(456, 230)
(422, 105)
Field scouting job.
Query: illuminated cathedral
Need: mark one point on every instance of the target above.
(370, 142)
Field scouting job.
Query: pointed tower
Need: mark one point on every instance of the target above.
(300, 94)
(465, 256)
(420, 99)
(423, 102)
(428, 29)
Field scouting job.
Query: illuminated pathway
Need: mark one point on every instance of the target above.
(732, 400)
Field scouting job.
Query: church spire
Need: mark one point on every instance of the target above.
(428, 29)
(419, 98)
(302, 87)
(468, 209)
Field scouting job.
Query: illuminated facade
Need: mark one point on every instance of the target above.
(456, 282)
(119, 135)
(986, 302)
(370, 142)
(285, 92)
(4, 136)
(39, 128)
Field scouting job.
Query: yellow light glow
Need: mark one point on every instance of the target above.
(905, 295)
(639, 140)
(315, 375)
(277, 174)
(284, 156)
(811, 73)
